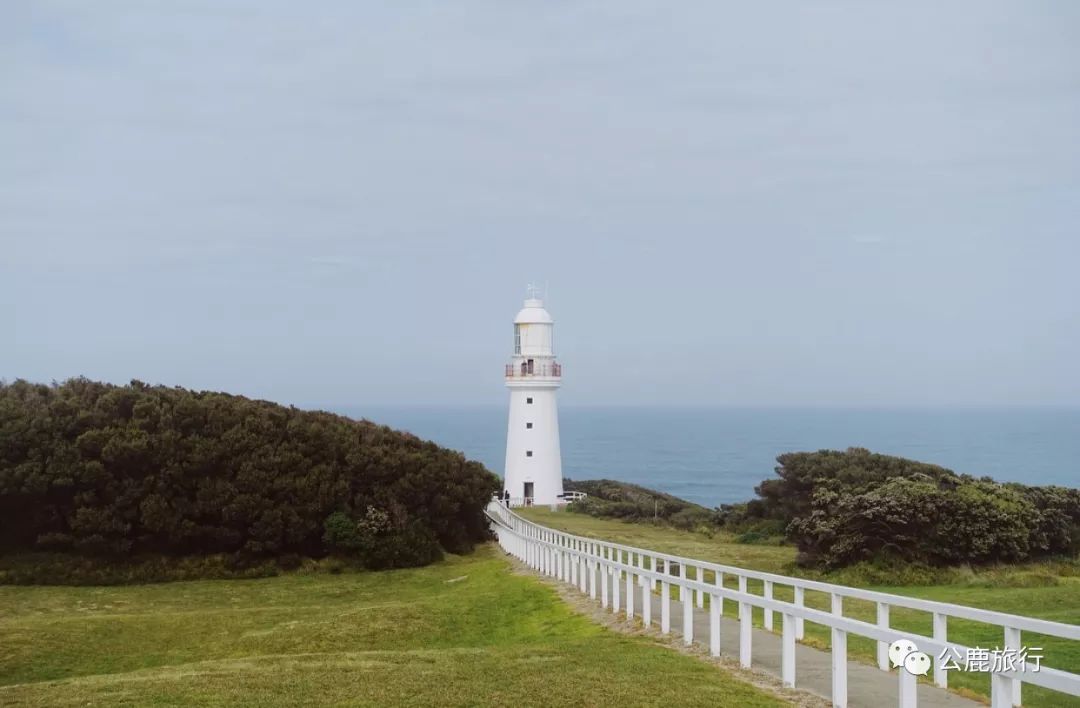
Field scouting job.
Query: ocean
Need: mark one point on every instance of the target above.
(715, 456)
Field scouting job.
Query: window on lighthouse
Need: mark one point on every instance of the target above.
(528, 400)
(517, 339)
(528, 426)
(528, 453)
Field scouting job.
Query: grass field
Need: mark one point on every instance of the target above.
(466, 631)
(1047, 591)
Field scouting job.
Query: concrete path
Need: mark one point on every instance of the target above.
(867, 685)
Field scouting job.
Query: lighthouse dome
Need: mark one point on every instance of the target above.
(533, 313)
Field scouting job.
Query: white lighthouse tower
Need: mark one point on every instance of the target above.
(533, 472)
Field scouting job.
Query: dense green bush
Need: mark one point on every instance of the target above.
(101, 470)
(842, 508)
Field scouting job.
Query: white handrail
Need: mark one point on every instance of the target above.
(579, 559)
(563, 499)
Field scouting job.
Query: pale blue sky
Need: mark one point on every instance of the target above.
(733, 203)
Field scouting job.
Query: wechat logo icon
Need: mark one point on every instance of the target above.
(903, 652)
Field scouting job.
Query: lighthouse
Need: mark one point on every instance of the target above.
(533, 472)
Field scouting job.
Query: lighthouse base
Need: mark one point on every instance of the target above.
(533, 471)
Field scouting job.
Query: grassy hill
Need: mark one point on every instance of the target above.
(462, 632)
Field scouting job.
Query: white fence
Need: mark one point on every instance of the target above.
(593, 565)
(564, 499)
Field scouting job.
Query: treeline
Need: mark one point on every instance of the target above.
(843, 507)
(108, 471)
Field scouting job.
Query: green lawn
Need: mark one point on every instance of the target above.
(466, 631)
(1058, 599)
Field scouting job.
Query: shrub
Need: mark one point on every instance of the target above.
(109, 471)
(843, 508)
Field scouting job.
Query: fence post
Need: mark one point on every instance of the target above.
(883, 647)
(603, 580)
(718, 599)
(665, 602)
(1000, 691)
(616, 578)
(573, 560)
(714, 624)
(687, 597)
(839, 668)
(908, 689)
(700, 594)
(839, 655)
(787, 652)
(575, 565)
(630, 585)
(766, 612)
(941, 676)
(1012, 641)
(745, 633)
(583, 566)
(800, 601)
(646, 601)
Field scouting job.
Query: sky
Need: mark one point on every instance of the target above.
(768, 203)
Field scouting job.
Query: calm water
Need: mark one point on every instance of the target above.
(715, 456)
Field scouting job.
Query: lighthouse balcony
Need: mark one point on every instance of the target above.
(532, 370)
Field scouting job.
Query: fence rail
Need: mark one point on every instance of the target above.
(564, 498)
(588, 563)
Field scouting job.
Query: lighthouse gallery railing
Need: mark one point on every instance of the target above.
(524, 371)
(588, 563)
